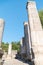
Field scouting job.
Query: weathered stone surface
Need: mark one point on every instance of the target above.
(22, 47)
(1, 30)
(36, 33)
(1, 34)
(10, 49)
(27, 40)
(9, 52)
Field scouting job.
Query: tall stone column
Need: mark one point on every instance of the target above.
(23, 48)
(1, 30)
(36, 33)
(9, 56)
(22, 45)
(1, 35)
(10, 49)
(27, 40)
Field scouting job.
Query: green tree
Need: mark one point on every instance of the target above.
(15, 45)
(41, 16)
(5, 46)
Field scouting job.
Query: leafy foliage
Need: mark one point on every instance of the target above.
(41, 16)
(15, 46)
(5, 46)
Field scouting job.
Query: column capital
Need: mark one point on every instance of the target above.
(30, 3)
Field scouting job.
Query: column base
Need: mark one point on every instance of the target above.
(9, 56)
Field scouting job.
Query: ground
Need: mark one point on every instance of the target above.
(14, 62)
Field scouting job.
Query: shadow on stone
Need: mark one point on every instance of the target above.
(23, 60)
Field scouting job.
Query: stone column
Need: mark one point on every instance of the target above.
(1, 30)
(1, 35)
(22, 43)
(27, 40)
(36, 33)
(9, 51)
(23, 48)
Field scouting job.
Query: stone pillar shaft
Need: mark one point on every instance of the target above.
(36, 33)
(10, 49)
(1, 30)
(22, 43)
(27, 39)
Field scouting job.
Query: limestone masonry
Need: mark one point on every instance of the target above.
(1, 30)
(36, 33)
(33, 34)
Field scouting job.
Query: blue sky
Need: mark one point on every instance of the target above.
(14, 13)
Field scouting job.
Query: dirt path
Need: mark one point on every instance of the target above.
(14, 62)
